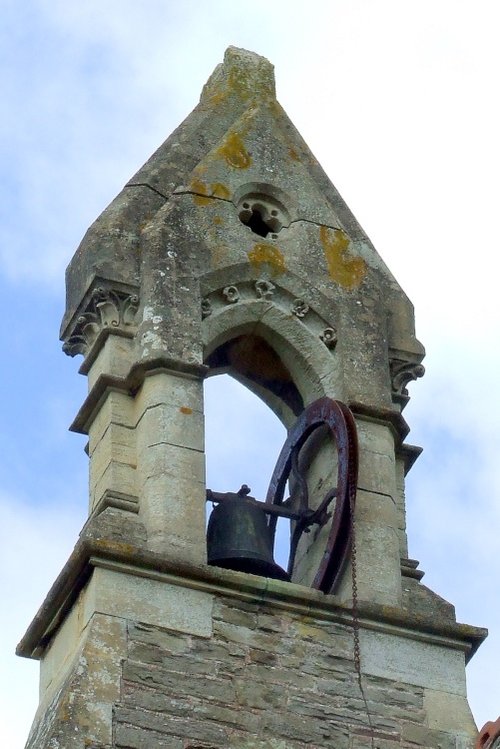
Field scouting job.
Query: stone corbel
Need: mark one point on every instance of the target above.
(403, 371)
(106, 310)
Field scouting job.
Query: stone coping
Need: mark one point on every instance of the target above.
(91, 552)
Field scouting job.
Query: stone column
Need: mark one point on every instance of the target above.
(170, 463)
(376, 519)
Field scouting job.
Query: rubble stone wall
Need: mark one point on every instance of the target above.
(265, 679)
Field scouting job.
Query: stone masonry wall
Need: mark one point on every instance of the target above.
(266, 678)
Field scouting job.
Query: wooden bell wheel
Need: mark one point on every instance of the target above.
(339, 420)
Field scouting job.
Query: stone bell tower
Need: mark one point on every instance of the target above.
(230, 250)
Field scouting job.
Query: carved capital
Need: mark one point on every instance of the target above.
(106, 309)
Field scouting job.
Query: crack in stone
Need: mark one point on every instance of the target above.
(145, 184)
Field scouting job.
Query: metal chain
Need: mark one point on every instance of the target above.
(355, 607)
(355, 610)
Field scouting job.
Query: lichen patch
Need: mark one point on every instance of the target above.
(234, 152)
(347, 272)
(202, 192)
(267, 254)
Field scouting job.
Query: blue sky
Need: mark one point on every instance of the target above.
(398, 100)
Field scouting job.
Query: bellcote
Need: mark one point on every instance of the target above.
(231, 251)
(233, 212)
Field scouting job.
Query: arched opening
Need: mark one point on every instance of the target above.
(243, 438)
(286, 367)
(255, 363)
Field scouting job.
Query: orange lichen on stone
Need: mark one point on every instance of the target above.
(242, 81)
(219, 190)
(267, 254)
(200, 191)
(118, 546)
(186, 410)
(346, 271)
(293, 154)
(218, 220)
(243, 75)
(234, 152)
(201, 200)
(203, 193)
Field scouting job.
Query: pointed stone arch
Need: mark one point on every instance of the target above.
(273, 342)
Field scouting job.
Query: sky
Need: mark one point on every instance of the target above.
(398, 100)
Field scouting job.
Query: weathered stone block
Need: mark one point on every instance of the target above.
(84, 688)
(376, 509)
(138, 696)
(156, 637)
(171, 424)
(117, 445)
(374, 437)
(377, 472)
(115, 437)
(446, 711)
(174, 515)
(117, 477)
(378, 577)
(233, 716)
(427, 737)
(132, 737)
(237, 615)
(150, 601)
(249, 637)
(171, 389)
(115, 358)
(413, 662)
(117, 408)
(162, 458)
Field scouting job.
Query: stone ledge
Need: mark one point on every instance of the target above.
(398, 426)
(95, 549)
(130, 384)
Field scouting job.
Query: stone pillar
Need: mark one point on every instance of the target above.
(378, 575)
(170, 463)
(112, 454)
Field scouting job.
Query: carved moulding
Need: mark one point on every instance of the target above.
(264, 290)
(402, 372)
(105, 310)
(300, 308)
(329, 337)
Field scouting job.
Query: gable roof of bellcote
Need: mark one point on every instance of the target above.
(238, 141)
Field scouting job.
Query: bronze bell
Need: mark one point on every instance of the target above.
(239, 538)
